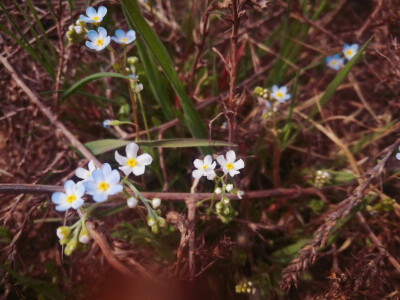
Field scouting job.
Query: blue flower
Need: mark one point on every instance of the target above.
(280, 93)
(124, 38)
(103, 183)
(334, 62)
(71, 198)
(350, 50)
(94, 16)
(98, 40)
(106, 123)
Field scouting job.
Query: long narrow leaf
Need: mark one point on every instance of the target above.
(193, 120)
(102, 146)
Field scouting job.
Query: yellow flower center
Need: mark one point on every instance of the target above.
(124, 40)
(131, 162)
(71, 198)
(99, 42)
(279, 94)
(204, 167)
(229, 166)
(103, 186)
(333, 62)
(349, 52)
(95, 18)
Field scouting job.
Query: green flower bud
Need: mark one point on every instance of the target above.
(151, 222)
(84, 237)
(132, 60)
(71, 246)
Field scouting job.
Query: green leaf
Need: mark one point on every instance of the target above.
(89, 78)
(331, 89)
(102, 146)
(193, 120)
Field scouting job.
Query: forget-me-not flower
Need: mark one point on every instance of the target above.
(133, 163)
(280, 93)
(350, 50)
(98, 40)
(229, 165)
(124, 38)
(85, 174)
(204, 168)
(94, 16)
(334, 62)
(71, 198)
(103, 183)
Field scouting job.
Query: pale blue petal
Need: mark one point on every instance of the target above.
(58, 197)
(63, 207)
(106, 169)
(354, 47)
(85, 19)
(93, 35)
(283, 90)
(90, 45)
(100, 197)
(114, 189)
(274, 88)
(91, 12)
(119, 33)
(90, 187)
(106, 42)
(286, 97)
(113, 178)
(336, 56)
(98, 176)
(328, 60)
(115, 39)
(77, 203)
(69, 187)
(101, 11)
(345, 47)
(102, 32)
(80, 190)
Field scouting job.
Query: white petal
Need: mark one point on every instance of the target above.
(100, 197)
(211, 175)
(233, 172)
(131, 150)
(230, 156)
(198, 163)
(275, 88)
(97, 176)
(101, 11)
(90, 187)
(208, 160)
(239, 164)
(58, 198)
(114, 189)
(102, 32)
(398, 156)
(91, 166)
(82, 173)
(69, 187)
(126, 169)
(138, 170)
(77, 203)
(113, 178)
(212, 166)
(80, 190)
(197, 173)
(63, 207)
(144, 159)
(120, 159)
(106, 169)
(221, 160)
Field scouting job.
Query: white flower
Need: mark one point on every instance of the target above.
(131, 202)
(98, 40)
(229, 165)
(349, 51)
(103, 183)
(155, 202)
(139, 88)
(218, 191)
(240, 194)
(94, 16)
(229, 187)
(85, 174)
(280, 93)
(204, 168)
(124, 38)
(71, 198)
(133, 163)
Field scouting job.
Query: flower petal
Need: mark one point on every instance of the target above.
(131, 150)
(90, 187)
(197, 173)
(106, 169)
(91, 166)
(138, 170)
(126, 169)
(115, 39)
(100, 197)
(69, 187)
(77, 203)
(63, 207)
(80, 190)
(85, 19)
(131, 35)
(113, 178)
(238, 165)
(102, 32)
(230, 156)
(198, 163)
(91, 45)
(283, 89)
(91, 12)
(58, 198)
(97, 176)
(82, 173)
(211, 175)
(233, 172)
(120, 159)
(101, 12)
(221, 160)
(93, 35)
(114, 189)
(208, 160)
(119, 34)
(144, 159)
(275, 88)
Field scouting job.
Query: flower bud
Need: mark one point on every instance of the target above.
(218, 191)
(161, 222)
(240, 194)
(155, 202)
(71, 246)
(226, 201)
(229, 187)
(63, 232)
(131, 202)
(132, 60)
(139, 88)
(151, 222)
(84, 237)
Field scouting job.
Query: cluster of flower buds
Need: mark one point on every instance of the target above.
(70, 235)
(76, 33)
(156, 223)
(245, 287)
(321, 177)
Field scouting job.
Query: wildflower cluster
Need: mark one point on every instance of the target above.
(335, 61)
(230, 167)
(245, 287)
(100, 184)
(271, 98)
(321, 177)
